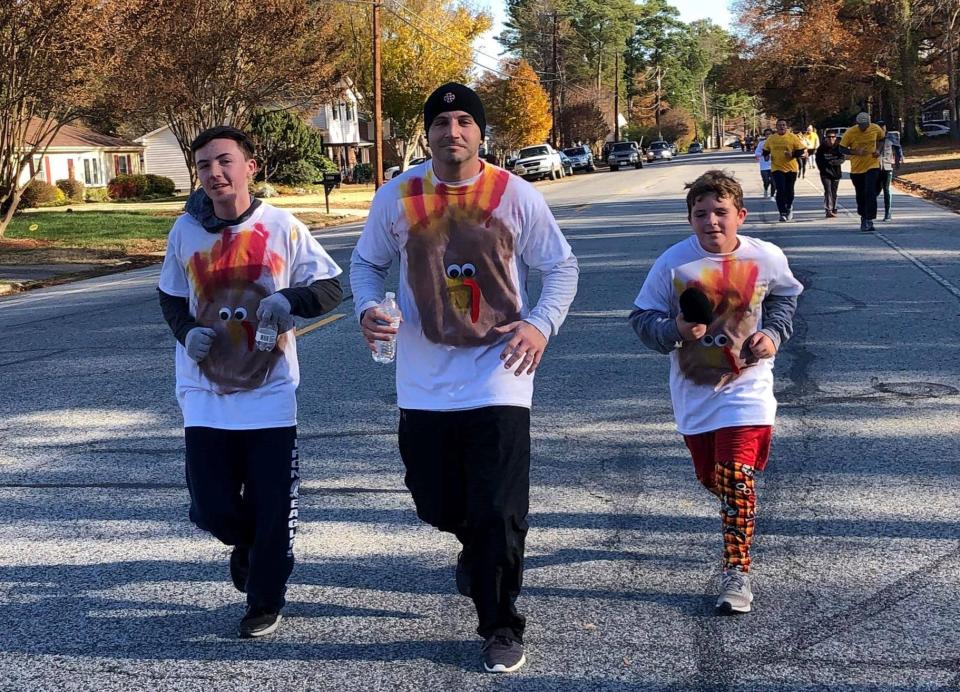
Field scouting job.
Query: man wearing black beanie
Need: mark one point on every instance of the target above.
(466, 234)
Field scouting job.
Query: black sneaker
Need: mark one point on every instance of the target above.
(240, 567)
(502, 654)
(258, 623)
(463, 574)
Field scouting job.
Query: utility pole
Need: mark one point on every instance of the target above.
(377, 102)
(657, 114)
(553, 87)
(616, 98)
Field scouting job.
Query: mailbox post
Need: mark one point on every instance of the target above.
(330, 181)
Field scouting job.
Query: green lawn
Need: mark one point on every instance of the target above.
(108, 230)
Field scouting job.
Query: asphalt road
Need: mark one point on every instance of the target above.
(105, 585)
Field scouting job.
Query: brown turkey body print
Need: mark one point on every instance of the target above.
(460, 259)
(735, 295)
(230, 281)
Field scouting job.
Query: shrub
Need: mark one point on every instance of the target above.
(72, 188)
(98, 194)
(298, 173)
(325, 165)
(264, 190)
(362, 173)
(41, 194)
(160, 185)
(128, 186)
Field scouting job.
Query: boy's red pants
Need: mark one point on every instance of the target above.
(725, 461)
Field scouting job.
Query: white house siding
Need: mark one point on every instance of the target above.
(162, 156)
(94, 168)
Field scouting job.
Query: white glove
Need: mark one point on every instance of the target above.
(198, 342)
(275, 309)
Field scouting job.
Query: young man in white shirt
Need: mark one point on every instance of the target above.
(466, 234)
(234, 264)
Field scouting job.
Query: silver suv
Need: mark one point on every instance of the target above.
(624, 154)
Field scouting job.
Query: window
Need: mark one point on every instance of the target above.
(122, 164)
(349, 111)
(336, 110)
(91, 172)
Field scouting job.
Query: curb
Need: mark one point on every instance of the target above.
(944, 199)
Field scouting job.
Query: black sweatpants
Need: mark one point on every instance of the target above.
(767, 177)
(469, 474)
(866, 186)
(785, 184)
(244, 488)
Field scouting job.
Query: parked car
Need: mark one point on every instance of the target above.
(539, 161)
(695, 148)
(659, 151)
(673, 148)
(624, 154)
(567, 164)
(581, 157)
(393, 171)
(934, 130)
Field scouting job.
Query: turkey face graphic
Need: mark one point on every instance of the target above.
(234, 363)
(459, 272)
(227, 282)
(721, 354)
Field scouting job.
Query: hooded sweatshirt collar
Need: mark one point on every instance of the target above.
(200, 207)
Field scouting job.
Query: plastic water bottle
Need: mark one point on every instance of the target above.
(387, 350)
(266, 337)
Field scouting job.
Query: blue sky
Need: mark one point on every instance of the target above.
(716, 10)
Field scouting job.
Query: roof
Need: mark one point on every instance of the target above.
(78, 137)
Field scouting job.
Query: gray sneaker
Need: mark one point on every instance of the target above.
(502, 654)
(790, 214)
(735, 593)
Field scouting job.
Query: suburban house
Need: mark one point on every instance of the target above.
(80, 153)
(936, 109)
(345, 142)
(162, 156)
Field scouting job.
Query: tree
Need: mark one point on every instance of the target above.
(584, 121)
(811, 59)
(571, 44)
(283, 141)
(214, 62)
(54, 58)
(425, 44)
(518, 109)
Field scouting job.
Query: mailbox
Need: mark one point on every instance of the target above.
(330, 181)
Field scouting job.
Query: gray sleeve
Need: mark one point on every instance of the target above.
(556, 295)
(367, 283)
(778, 317)
(657, 330)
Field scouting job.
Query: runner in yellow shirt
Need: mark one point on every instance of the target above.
(812, 140)
(784, 148)
(862, 143)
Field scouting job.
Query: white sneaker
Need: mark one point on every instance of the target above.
(735, 593)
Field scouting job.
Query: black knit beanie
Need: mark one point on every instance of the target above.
(455, 97)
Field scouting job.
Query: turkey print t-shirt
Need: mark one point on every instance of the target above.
(224, 276)
(465, 249)
(716, 382)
